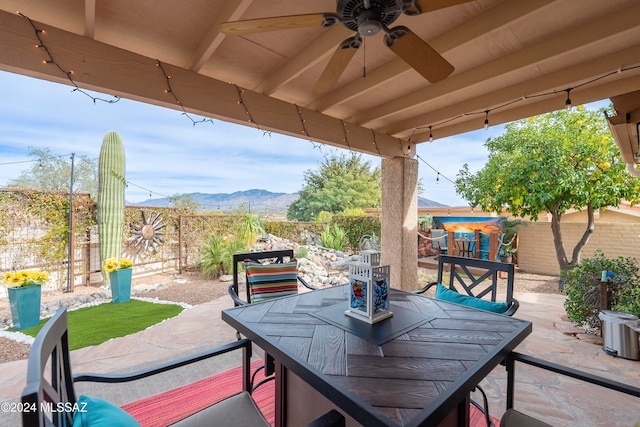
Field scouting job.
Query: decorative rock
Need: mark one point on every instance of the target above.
(226, 278)
(568, 328)
(590, 338)
(321, 268)
(141, 288)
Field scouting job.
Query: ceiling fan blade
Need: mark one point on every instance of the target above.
(337, 64)
(415, 52)
(431, 5)
(250, 26)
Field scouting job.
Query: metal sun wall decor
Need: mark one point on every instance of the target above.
(369, 287)
(147, 236)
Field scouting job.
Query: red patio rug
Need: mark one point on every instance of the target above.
(170, 406)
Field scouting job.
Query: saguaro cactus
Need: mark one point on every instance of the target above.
(111, 183)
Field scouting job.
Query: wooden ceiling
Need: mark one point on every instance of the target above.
(512, 59)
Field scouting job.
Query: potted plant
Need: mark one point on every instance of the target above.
(120, 272)
(24, 289)
(506, 254)
(508, 243)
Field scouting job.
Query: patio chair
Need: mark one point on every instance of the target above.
(476, 279)
(265, 279)
(515, 418)
(50, 388)
(439, 239)
(270, 274)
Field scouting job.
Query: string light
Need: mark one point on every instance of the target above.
(344, 129)
(246, 110)
(375, 143)
(169, 89)
(568, 103)
(302, 121)
(68, 73)
(435, 170)
(39, 160)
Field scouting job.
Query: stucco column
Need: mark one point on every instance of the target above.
(400, 221)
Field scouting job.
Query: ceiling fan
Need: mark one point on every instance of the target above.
(366, 18)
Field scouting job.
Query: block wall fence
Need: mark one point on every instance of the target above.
(536, 250)
(616, 233)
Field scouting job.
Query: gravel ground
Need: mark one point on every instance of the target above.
(194, 289)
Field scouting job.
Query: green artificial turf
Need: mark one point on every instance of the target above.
(95, 325)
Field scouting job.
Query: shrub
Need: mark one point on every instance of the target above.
(324, 216)
(333, 237)
(303, 252)
(249, 229)
(582, 286)
(355, 227)
(216, 256)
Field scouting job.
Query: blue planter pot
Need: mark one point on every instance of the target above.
(25, 306)
(120, 285)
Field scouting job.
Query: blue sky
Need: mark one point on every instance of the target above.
(166, 154)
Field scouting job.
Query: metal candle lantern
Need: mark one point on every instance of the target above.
(369, 288)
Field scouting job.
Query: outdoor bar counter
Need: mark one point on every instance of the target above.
(415, 368)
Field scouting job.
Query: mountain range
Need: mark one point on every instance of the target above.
(254, 200)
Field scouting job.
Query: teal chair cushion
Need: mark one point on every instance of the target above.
(94, 412)
(445, 294)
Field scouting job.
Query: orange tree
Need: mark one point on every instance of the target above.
(550, 164)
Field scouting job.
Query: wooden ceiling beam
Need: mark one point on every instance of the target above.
(559, 80)
(308, 57)
(553, 103)
(555, 45)
(107, 69)
(494, 18)
(89, 18)
(233, 10)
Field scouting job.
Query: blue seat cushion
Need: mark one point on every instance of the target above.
(445, 294)
(94, 412)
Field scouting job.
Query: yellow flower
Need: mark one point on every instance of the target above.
(7, 277)
(113, 264)
(125, 263)
(110, 265)
(23, 278)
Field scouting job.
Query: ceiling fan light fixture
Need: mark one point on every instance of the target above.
(369, 23)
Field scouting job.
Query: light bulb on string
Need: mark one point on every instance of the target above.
(430, 135)
(567, 103)
(438, 178)
(486, 119)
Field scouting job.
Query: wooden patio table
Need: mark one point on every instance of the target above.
(416, 368)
